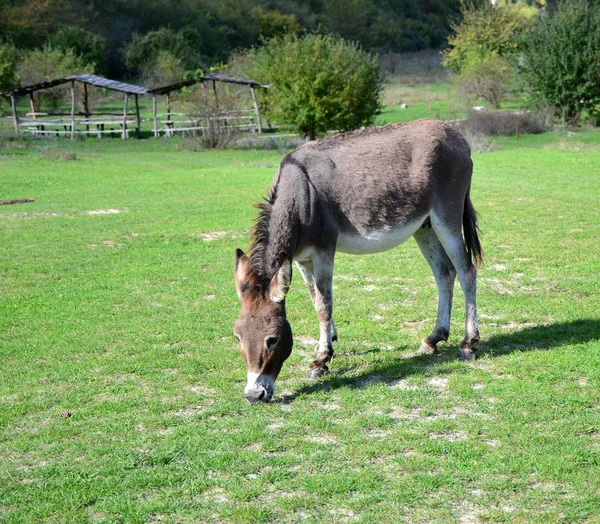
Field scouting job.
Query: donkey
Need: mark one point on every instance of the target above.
(360, 192)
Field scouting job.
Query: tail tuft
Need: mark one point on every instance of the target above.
(471, 228)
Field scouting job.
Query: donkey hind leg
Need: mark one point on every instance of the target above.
(449, 232)
(308, 275)
(318, 275)
(444, 274)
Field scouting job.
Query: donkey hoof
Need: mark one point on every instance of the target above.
(466, 353)
(318, 372)
(427, 348)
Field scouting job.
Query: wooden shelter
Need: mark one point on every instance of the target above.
(73, 123)
(177, 122)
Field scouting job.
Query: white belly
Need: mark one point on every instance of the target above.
(377, 241)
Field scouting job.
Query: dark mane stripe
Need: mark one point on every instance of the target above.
(260, 235)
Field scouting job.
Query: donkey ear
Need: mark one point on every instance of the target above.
(239, 271)
(280, 283)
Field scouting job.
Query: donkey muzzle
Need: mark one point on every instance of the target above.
(260, 388)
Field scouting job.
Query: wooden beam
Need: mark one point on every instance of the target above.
(154, 113)
(72, 109)
(16, 201)
(124, 130)
(137, 113)
(13, 105)
(169, 105)
(257, 109)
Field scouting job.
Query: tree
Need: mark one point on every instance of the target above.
(484, 32)
(319, 83)
(183, 45)
(9, 56)
(49, 63)
(89, 46)
(561, 59)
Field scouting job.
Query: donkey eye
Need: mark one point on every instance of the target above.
(271, 342)
(238, 338)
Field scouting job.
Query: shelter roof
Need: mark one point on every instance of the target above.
(94, 80)
(163, 90)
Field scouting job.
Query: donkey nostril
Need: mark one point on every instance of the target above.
(262, 394)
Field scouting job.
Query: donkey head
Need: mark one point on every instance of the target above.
(264, 334)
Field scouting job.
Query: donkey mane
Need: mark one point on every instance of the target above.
(260, 236)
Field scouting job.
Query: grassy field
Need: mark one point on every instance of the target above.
(121, 385)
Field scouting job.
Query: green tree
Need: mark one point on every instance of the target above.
(89, 46)
(9, 57)
(319, 83)
(49, 63)
(485, 32)
(561, 59)
(184, 46)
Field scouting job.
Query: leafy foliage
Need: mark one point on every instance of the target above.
(319, 83)
(483, 33)
(89, 46)
(491, 80)
(562, 59)
(182, 45)
(8, 65)
(225, 25)
(49, 63)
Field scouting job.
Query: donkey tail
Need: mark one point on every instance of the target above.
(471, 228)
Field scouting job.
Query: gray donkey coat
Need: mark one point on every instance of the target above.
(360, 192)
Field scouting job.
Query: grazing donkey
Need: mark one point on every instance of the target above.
(359, 192)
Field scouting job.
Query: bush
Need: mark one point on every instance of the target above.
(163, 70)
(87, 45)
(49, 63)
(485, 32)
(319, 83)
(507, 124)
(491, 80)
(562, 59)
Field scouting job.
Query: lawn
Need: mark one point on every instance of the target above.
(121, 385)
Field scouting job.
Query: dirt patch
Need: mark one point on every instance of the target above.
(104, 212)
(455, 436)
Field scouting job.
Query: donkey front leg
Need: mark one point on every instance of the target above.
(308, 275)
(318, 275)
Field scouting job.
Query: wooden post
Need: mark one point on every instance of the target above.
(257, 109)
(85, 107)
(168, 106)
(32, 105)
(72, 109)
(124, 133)
(215, 92)
(13, 105)
(137, 113)
(154, 112)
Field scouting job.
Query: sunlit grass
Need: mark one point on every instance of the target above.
(121, 383)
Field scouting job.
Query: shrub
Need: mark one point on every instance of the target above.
(163, 70)
(491, 80)
(561, 59)
(507, 124)
(87, 45)
(319, 83)
(485, 32)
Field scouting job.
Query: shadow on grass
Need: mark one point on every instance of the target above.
(542, 337)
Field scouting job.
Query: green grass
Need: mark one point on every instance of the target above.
(121, 385)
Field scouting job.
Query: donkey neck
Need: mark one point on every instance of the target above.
(274, 236)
